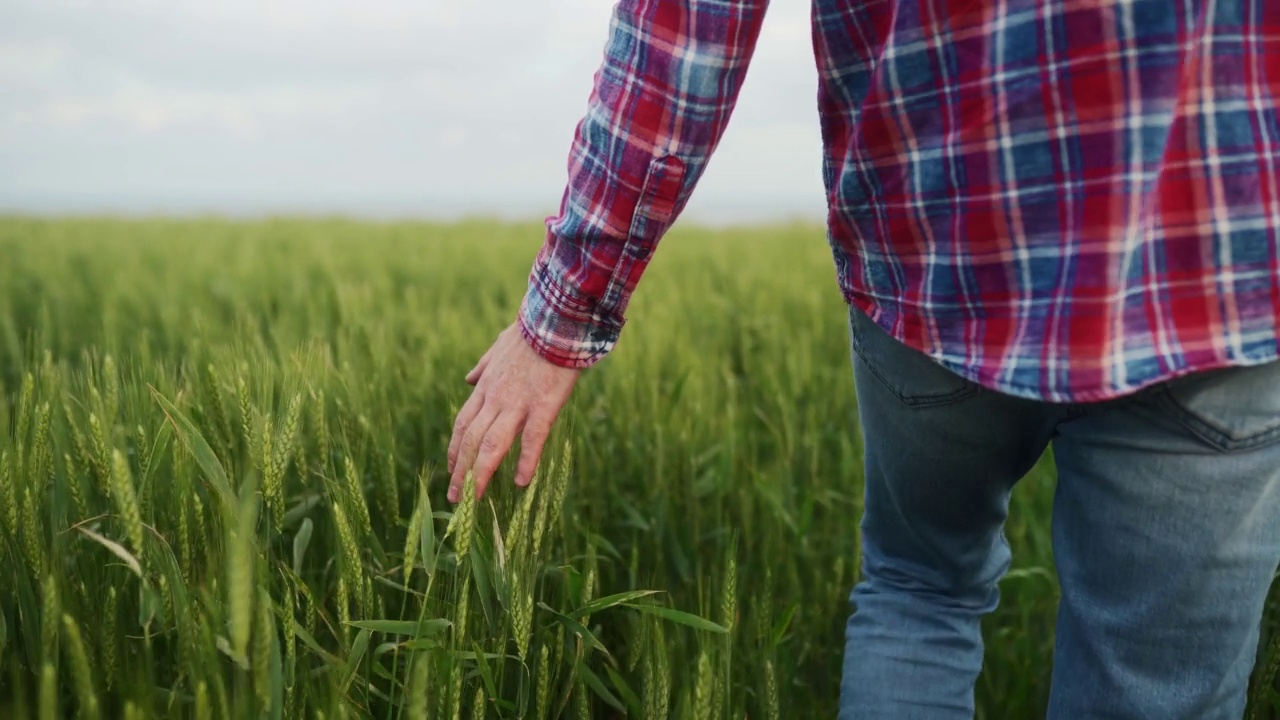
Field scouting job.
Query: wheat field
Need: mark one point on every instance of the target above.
(222, 485)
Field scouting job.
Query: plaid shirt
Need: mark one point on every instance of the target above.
(1066, 200)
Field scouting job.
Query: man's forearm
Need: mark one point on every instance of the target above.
(661, 102)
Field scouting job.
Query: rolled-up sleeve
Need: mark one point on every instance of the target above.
(661, 101)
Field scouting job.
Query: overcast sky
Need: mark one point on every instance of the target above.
(393, 107)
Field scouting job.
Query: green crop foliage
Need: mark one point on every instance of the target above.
(222, 492)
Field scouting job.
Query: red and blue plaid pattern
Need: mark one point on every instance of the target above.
(1066, 200)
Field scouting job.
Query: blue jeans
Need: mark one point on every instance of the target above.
(1166, 535)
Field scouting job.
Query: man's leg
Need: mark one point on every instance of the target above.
(941, 458)
(1167, 536)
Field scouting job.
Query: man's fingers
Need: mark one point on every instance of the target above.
(494, 446)
(468, 413)
(536, 430)
(516, 393)
(467, 449)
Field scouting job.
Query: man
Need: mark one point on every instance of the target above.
(1055, 221)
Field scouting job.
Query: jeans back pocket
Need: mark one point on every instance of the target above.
(913, 377)
(1234, 408)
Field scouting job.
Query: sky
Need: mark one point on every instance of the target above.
(386, 108)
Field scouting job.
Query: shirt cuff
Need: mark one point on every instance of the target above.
(565, 329)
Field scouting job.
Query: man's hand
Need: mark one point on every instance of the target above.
(516, 391)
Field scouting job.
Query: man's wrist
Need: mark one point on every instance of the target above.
(563, 328)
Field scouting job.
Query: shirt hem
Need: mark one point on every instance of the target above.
(1038, 393)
